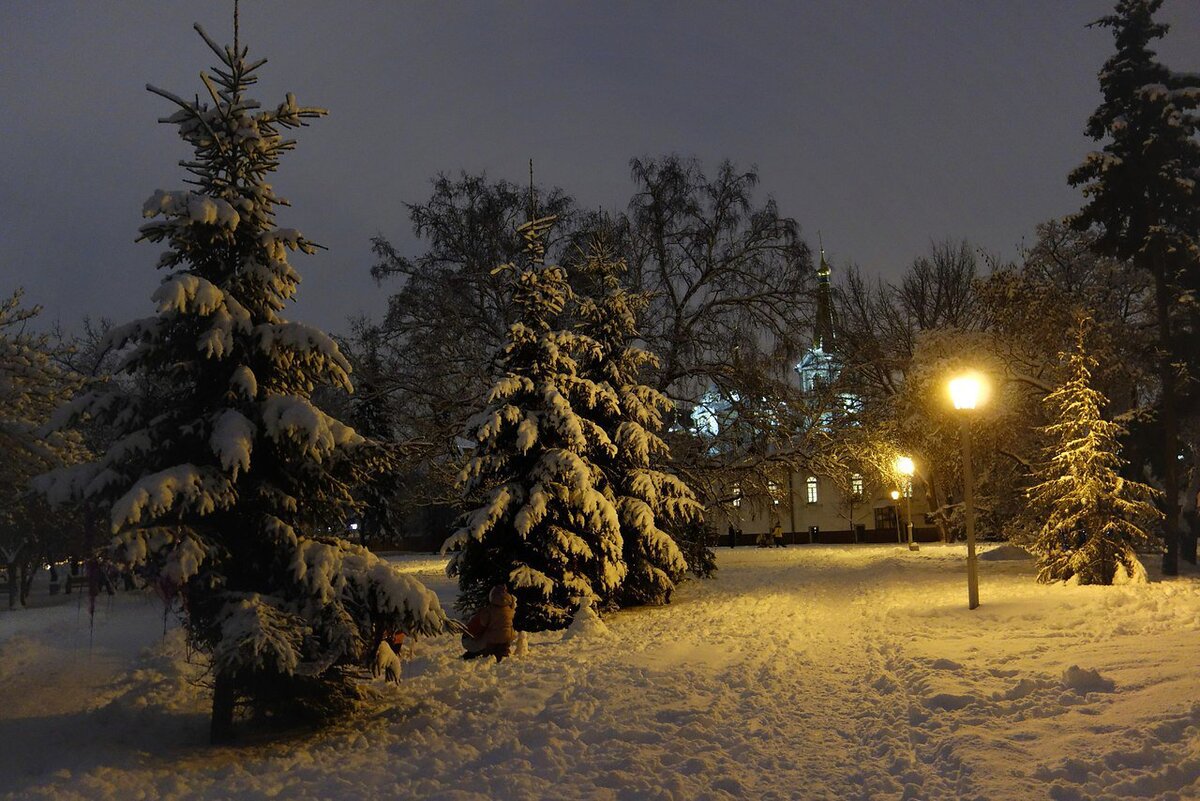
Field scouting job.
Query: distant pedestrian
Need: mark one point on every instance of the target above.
(777, 534)
(733, 535)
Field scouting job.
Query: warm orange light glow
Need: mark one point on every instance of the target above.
(967, 391)
(904, 465)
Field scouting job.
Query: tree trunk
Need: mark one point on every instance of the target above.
(1170, 430)
(221, 726)
(1189, 522)
(14, 590)
(29, 569)
(934, 503)
(1189, 516)
(20, 575)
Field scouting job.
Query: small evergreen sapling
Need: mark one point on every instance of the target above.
(650, 501)
(229, 489)
(1095, 519)
(547, 525)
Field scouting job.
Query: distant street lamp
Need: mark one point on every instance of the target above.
(905, 467)
(896, 510)
(966, 393)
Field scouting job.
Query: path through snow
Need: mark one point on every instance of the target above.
(804, 673)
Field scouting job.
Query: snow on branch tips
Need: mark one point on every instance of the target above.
(296, 419)
(350, 576)
(232, 441)
(185, 487)
(256, 635)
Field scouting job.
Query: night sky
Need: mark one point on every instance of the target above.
(882, 124)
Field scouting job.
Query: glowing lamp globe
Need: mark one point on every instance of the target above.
(904, 465)
(895, 495)
(966, 391)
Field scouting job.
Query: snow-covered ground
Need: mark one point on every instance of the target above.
(806, 673)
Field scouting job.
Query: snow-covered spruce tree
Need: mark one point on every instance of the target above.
(229, 491)
(32, 385)
(547, 526)
(1143, 199)
(649, 500)
(1094, 517)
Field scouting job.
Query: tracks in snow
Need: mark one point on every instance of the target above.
(808, 685)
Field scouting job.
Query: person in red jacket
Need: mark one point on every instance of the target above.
(490, 630)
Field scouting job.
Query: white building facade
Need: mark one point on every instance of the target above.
(809, 507)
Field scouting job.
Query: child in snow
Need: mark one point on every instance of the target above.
(777, 534)
(490, 630)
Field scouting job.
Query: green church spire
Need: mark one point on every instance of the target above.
(823, 327)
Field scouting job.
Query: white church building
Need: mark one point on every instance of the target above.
(812, 508)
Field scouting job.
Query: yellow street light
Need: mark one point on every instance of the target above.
(968, 391)
(904, 466)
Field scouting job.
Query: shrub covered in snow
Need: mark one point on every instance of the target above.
(225, 491)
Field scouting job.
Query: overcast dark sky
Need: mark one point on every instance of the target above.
(882, 124)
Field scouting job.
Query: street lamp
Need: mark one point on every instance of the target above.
(967, 391)
(896, 509)
(905, 467)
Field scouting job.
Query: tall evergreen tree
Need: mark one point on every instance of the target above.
(1143, 191)
(649, 500)
(1094, 517)
(230, 489)
(547, 526)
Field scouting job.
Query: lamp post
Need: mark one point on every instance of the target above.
(896, 509)
(905, 467)
(966, 393)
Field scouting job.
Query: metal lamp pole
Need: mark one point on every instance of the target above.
(912, 546)
(896, 509)
(966, 392)
(905, 467)
(969, 499)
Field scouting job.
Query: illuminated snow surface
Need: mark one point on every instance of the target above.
(804, 673)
